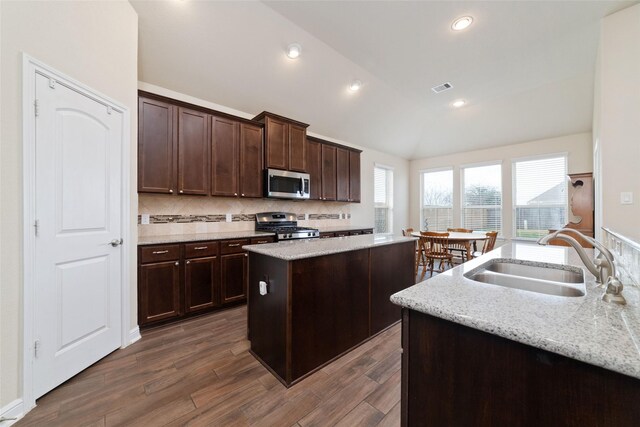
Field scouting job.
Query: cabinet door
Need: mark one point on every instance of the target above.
(354, 176)
(201, 277)
(276, 144)
(193, 152)
(297, 148)
(250, 161)
(314, 168)
(159, 292)
(224, 156)
(342, 174)
(234, 277)
(328, 172)
(156, 146)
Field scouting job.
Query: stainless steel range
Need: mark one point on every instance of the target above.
(285, 225)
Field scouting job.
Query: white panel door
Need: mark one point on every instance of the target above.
(78, 211)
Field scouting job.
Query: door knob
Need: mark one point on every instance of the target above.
(115, 242)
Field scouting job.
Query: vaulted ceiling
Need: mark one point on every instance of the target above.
(525, 68)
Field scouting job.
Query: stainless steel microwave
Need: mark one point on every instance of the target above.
(281, 184)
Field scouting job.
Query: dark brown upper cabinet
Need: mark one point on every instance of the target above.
(250, 160)
(314, 168)
(328, 172)
(193, 152)
(225, 152)
(285, 142)
(342, 174)
(354, 176)
(157, 146)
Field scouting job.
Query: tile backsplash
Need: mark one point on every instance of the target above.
(627, 255)
(192, 214)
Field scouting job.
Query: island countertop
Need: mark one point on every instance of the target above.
(309, 248)
(583, 328)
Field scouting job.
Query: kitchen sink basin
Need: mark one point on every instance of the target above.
(532, 277)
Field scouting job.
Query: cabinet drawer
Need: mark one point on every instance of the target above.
(261, 240)
(200, 249)
(232, 246)
(159, 253)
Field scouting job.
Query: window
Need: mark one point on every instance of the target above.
(482, 198)
(383, 199)
(437, 200)
(539, 195)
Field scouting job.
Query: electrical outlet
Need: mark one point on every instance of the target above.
(306, 217)
(229, 218)
(144, 219)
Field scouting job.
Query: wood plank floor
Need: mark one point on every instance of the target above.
(200, 373)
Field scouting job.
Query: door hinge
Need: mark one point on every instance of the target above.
(36, 348)
(36, 107)
(36, 225)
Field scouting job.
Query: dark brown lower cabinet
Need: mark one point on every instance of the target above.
(180, 280)
(453, 375)
(316, 309)
(201, 283)
(159, 291)
(234, 277)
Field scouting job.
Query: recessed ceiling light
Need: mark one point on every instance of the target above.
(461, 23)
(458, 103)
(355, 85)
(294, 50)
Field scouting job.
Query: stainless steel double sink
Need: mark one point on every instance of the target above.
(564, 281)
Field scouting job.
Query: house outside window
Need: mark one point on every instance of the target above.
(383, 199)
(539, 195)
(482, 197)
(437, 200)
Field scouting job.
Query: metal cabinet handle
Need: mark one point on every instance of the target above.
(159, 252)
(181, 191)
(242, 194)
(171, 191)
(246, 255)
(235, 194)
(233, 245)
(188, 262)
(200, 248)
(177, 262)
(116, 242)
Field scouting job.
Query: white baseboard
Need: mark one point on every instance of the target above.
(134, 335)
(14, 409)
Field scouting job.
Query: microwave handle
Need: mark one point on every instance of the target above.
(301, 186)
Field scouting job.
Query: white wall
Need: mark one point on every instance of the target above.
(94, 43)
(577, 146)
(616, 124)
(361, 213)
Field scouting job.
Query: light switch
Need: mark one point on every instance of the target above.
(144, 219)
(229, 219)
(626, 198)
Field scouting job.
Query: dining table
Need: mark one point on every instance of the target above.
(465, 239)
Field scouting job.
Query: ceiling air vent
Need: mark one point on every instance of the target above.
(442, 87)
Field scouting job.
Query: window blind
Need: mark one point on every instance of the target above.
(540, 196)
(482, 198)
(437, 200)
(383, 199)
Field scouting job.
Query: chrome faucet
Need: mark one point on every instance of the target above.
(603, 267)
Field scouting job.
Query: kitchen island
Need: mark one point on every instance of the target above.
(321, 298)
(482, 354)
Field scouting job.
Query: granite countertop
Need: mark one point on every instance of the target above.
(308, 248)
(343, 228)
(179, 238)
(583, 328)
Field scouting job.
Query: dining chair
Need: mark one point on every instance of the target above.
(407, 231)
(436, 248)
(489, 243)
(460, 247)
